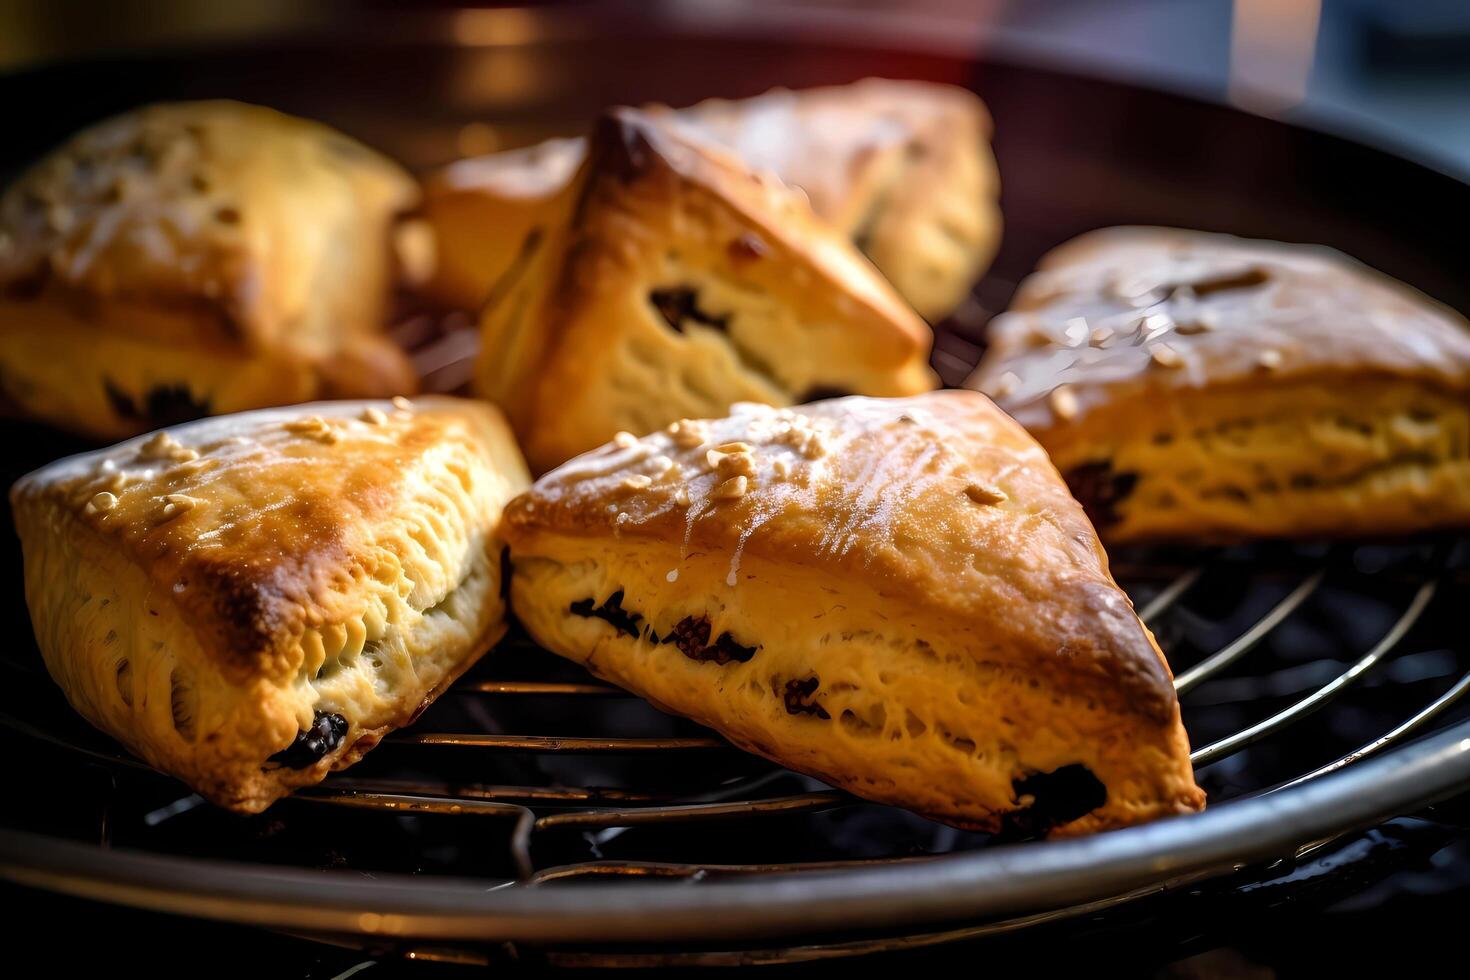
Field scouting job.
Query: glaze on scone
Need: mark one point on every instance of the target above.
(197, 258)
(1200, 386)
(896, 595)
(902, 168)
(681, 284)
(249, 602)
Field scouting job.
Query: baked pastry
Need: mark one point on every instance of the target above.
(903, 168)
(249, 602)
(1202, 387)
(898, 596)
(482, 210)
(197, 258)
(680, 284)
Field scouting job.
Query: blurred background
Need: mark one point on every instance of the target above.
(1394, 72)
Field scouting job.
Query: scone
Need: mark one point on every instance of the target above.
(902, 168)
(1197, 386)
(197, 258)
(898, 596)
(483, 210)
(249, 602)
(680, 284)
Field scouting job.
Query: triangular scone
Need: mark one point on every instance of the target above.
(681, 284)
(198, 258)
(251, 601)
(898, 596)
(902, 168)
(1199, 386)
(481, 211)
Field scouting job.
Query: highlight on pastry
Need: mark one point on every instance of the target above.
(680, 283)
(903, 168)
(197, 258)
(898, 596)
(1197, 386)
(249, 602)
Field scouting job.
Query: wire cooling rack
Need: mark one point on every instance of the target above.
(1292, 663)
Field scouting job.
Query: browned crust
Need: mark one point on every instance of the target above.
(1313, 313)
(886, 505)
(283, 529)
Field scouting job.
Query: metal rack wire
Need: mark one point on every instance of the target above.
(1269, 594)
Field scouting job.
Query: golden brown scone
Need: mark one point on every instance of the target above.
(197, 258)
(482, 209)
(898, 596)
(680, 284)
(902, 168)
(252, 601)
(1203, 387)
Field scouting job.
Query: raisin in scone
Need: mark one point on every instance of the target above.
(197, 258)
(898, 596)
(683, 283)
(902, 168)
(1198, 386)
(252, 601)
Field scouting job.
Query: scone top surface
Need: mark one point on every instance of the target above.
(680, 283)
(255, 525)
(1130, 310)
(938, 500)
(670, 159)
(213, 206)
(842, 144)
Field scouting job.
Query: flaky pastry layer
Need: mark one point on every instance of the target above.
(902, 168)
(181, 256)
(897, 595)
(682, 284)
(1197, 386)
(252, 601)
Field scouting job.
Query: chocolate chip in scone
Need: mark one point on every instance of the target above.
(680, 306)
(1057, 797)
(162, 405)
(798, 697)
(1100, 490)
(324, 735)
(820, 393)
(611, 612)
(691, 636)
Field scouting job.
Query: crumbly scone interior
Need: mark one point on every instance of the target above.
(129, 662)
(880, 699)
(415, 598)
(705, 341)
(123, 383)
(1299, 458)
